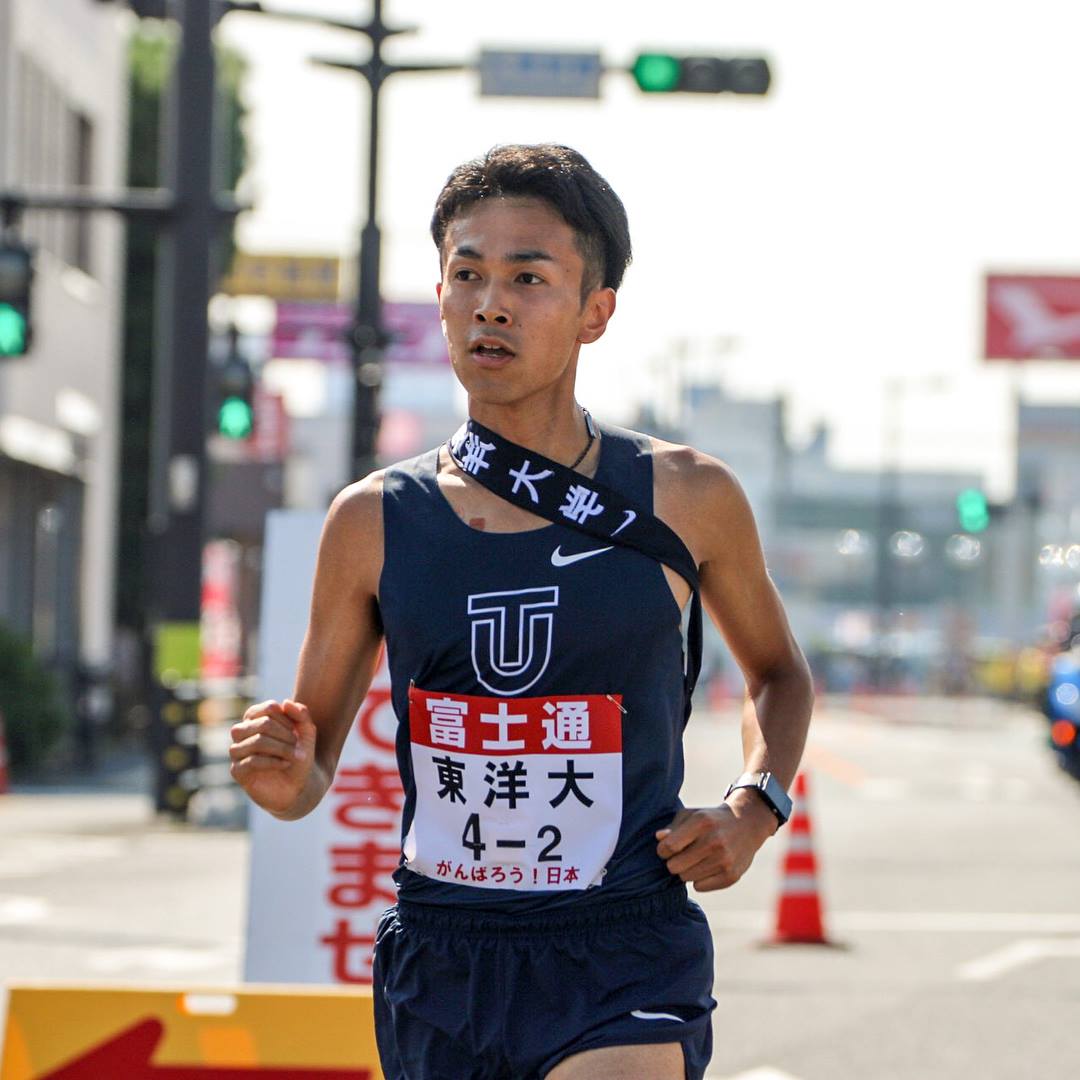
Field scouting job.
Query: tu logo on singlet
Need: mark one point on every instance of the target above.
(511, 637)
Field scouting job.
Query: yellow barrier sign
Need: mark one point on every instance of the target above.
(274, 1033)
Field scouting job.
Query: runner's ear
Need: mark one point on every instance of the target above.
(598, 309)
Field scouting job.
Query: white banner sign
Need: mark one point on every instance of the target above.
(318, 885)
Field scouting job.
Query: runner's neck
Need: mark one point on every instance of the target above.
(561, 436)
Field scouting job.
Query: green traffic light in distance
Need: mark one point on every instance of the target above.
(12, 331)
(972, 510)
(234, 418)
(656, 73)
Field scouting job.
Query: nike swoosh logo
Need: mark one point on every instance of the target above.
(641, 1015)
(559, 559)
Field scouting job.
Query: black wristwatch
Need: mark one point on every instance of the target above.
(768, 787)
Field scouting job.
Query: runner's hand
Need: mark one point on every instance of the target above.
(272, 753)
(712, 847)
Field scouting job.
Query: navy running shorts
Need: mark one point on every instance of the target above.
(484, 996)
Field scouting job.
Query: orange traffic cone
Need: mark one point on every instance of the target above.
(3, 758)
(798, 916)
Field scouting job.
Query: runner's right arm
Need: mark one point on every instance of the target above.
(284, 753)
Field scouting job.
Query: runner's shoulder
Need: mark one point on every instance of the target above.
(352, 538)
(693, 476)
(358, 507)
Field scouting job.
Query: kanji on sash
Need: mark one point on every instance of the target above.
(581, 503)
(371, 796)
(476, 450)
(506, 782)
(570, 779)
(523, 476)
(364, 868)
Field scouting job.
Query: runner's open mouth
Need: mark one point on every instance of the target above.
(492, 350)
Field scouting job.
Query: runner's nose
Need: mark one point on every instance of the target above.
(491, 309)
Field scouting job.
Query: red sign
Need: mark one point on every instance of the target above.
(269, 440)
(311, 332)
(1032, 318)
(318, 332)
(364, 844)
(219, 630)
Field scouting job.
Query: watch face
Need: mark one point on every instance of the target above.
(776, 795)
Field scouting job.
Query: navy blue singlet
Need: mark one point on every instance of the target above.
(517, 660)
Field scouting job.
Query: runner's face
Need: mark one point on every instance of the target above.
(510, 300)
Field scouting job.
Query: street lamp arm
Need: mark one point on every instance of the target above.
(148, 202)
(365, 68)
(254, 7)
(132, 203)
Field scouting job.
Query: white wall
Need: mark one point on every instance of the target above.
(71, 380)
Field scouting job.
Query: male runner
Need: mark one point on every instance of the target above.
(540, 675)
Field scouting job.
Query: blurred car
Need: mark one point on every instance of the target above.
(1062, 708)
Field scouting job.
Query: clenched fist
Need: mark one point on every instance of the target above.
(713, 847)
(273, 753)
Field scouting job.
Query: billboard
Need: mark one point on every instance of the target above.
(318, 332)
(1032, 317)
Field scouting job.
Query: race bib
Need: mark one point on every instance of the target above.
(522, 793)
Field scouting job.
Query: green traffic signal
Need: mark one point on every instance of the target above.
(657, 73)
(662, 73)
(12, 331)
(972, 510)
(235, 418)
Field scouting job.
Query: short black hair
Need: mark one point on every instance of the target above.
(560, 177)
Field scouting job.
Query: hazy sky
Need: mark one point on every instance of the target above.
(837, 230)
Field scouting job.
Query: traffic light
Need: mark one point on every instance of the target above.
(972, 510)
(662, 73)
(16, 282)
(235, 397)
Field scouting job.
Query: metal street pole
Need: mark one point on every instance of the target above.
(367, 336)
(178, 450)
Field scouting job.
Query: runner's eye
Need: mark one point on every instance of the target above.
(535, 279)
(465, 275)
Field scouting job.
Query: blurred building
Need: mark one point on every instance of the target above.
(1047, 511)
(868, 563)
(63, 110)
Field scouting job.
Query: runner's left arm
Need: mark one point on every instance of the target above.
(714, 846)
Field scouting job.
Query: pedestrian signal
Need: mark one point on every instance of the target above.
(16, 282)
(235, 393)
(972, 510)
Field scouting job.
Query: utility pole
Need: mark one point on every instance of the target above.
(178, 452)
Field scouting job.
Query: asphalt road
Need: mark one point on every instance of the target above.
(949, 873)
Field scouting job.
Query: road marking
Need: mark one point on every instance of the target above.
(1016, 955)
(160, 958)
(921, 922)
(43, 853)
(839, 768)
(766, 1072)
(21, 910)
(885, 788)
